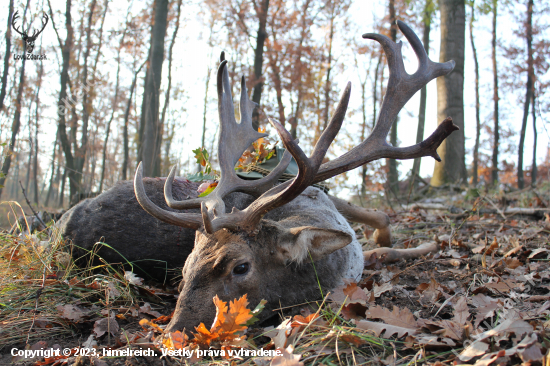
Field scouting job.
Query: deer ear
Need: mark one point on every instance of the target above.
(308, 240)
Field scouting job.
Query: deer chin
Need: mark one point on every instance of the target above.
(190, 313)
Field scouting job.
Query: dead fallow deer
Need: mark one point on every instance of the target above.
(292, 239)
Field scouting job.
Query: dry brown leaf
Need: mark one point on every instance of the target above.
(146, 309)
(71, 312)
(104, 325)
(353, 339)
(473, 350)
(486, 307)
(387, 329)
(461, 313)
(399, 317)
(287, 359)
(349, 294)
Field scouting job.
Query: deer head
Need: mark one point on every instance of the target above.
(29, 40)
(267, 249)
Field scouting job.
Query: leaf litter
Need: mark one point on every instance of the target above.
(483, 299)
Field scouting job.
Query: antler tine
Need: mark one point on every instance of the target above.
(13, 19)
(44, 23)
(401, 87)
(279, 195)
(187, 220)
(233, 140)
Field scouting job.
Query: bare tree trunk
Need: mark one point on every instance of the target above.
(496, 132)
(450, 93)
(475, 174)
(62, 188)
(7, 56)
(36, 117)
(169, 88)
(31, 149)
(259, 60)
(50, 189)
(16, 125)
(375, 90)
(393, 174)
(534, 171)
(150, 149)
(329, 67)
(528, 92)
(114, 107)
(126, 153)
(427, 22)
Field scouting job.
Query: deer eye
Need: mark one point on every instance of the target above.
(241, 269)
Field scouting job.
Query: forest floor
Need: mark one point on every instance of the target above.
(483, 299)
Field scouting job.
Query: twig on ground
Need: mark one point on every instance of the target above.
(38, 293)
(32, 209)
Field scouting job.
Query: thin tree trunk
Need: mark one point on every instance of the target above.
(36, 117)
(534, 171)
(113, 109)
(329, 68)
(31, 149)
(16, 125)
(496, 132)
(150, 149)
(50, 189)
(393, 174)
(450, 94)
(528, 92)
(62, 189)
(169, 87)
(428, 6)
(375, 90)
(126, 153)
(258, 61)
(7, 56)
(475, 173)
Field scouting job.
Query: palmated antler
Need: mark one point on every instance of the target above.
(401, 87)
(235, 138)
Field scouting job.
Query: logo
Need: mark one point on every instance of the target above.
(29, 40)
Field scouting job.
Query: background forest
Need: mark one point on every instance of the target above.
(128, 81)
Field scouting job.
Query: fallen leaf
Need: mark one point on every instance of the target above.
(349, 294)
(461, 313)
(104, 325)
(71, 312)
(387, 329)
(287, 358)
(399, 317)
(132, 278)
(146, 309)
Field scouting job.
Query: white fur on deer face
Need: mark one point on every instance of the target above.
(275, 264)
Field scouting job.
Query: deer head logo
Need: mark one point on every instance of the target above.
(29, 40)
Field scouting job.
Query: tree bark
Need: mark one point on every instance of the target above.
(329, 67)
(113, 109)
(496, 132)
(50, 189)
(7, 56)
(534, 171)
(62, 109)
(126, 153)
(450, 93)
(16, 125)
(475, 173)
(36, 116)
(150, 148)
(169, 87)
(427, 22)
(528, 92)
(393, 174)
(259, 61)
